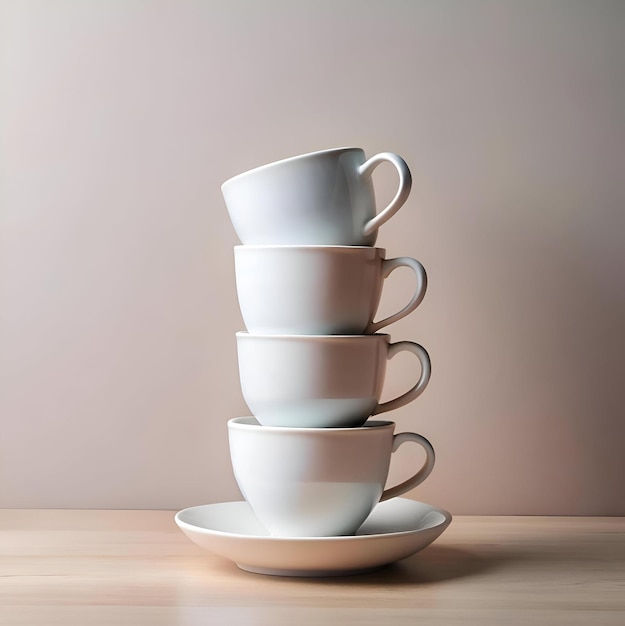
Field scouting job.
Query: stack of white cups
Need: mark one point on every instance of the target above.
(310, 463)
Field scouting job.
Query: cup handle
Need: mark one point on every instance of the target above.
(418, 389)
(405, 183)
(421, 475)
(388, 265)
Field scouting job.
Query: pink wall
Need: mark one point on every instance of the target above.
(120, 120)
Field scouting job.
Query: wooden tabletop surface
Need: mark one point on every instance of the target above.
(136, 567)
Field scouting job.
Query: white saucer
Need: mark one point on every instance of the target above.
(395, 529)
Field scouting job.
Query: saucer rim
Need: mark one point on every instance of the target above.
(447, 519)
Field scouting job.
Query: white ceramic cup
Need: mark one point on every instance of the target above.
(322, 197)
(317, 482)
(317, 290)
(321, 381)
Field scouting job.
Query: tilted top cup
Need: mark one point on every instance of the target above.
(318, 198)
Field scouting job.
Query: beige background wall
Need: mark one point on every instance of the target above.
(119, 121)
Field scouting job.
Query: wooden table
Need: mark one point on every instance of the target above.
(136, 567)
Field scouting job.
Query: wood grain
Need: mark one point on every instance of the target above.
(136, 567)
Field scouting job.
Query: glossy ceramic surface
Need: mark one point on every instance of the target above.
(395, 530)
(318, 198)
(321, 381)
(318, 481)
(317, 290)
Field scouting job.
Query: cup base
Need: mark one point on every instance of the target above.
(317, 413)
(313, 509)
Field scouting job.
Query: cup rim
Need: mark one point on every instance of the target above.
(320, 247)
(245, 423)
(289, 159)
(371, 337)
